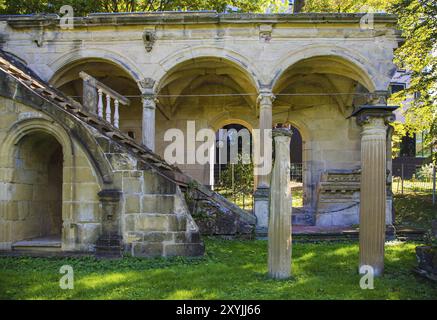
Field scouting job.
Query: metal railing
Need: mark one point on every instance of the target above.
(419, 182)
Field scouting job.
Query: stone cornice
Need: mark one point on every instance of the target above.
(192, 18)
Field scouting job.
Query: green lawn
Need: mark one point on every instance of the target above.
(230, 270)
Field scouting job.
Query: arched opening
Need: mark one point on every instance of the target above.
(233, 169)
(37, 190)
(67, 80)
(203, 90)
(318, 94)
(296, 168)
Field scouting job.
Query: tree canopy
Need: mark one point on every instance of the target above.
(84, 7)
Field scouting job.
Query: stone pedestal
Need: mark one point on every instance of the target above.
(261, 210)
(148, 133)
(280, 208)
(373, 186)
(110, 206)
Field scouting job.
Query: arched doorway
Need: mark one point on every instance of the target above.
(37, 190)
(296, 168)
(209, 92)
(318, 94)
(233, 169)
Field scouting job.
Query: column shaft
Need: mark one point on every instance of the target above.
(265, 126)
(148, 130)
(373, 194)
(279, 233)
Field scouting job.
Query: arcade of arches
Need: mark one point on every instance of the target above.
(319, 72)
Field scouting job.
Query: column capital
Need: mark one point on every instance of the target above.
(146, 85)
(282, 131)
(149, 101)
(365, 113)
(265, 97)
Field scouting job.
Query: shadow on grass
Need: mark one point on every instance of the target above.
(230, 270)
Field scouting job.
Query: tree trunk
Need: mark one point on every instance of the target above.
(298, 6)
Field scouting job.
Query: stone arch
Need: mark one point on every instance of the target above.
(27, 127)
(23, 155)
(221, 122)
(367, 73)
(306, 136)
(36, 154)
(105, 55)
(232, 57)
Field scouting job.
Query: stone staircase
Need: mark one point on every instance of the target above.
(155, 218)
(157, 221)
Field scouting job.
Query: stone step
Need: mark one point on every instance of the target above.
(36, 248)
(38, 245)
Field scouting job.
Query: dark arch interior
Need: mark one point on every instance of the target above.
(38, 186)
(296, 155)
(220, 167)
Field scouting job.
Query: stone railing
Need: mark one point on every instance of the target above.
(93, 92)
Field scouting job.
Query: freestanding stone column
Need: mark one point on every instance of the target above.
(373, 196)
(280, 208)
(261, 195)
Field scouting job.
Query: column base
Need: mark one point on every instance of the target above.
(261, 210)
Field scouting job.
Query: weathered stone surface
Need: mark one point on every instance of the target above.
(152, 222)
(158, 203)
(215, 220)
(427, 261)
(147, 249)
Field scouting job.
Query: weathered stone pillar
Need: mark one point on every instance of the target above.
(149, 107)
(264, 145)
(280, 208)
(110, 206)
(373, 195)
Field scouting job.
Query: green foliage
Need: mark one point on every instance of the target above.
(237, 178)
(414, 209)
(425, 171)
(346, 5)
(84, 7)
(230, 270)
(418, 22)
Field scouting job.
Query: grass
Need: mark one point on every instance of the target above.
(414, 209)
(230, 270)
